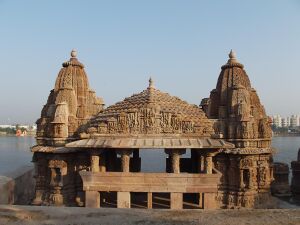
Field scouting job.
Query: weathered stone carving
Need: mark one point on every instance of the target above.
(233, 113)
(237, 108)
(264, 128)
(58, 169)
(70, 105)
(152, 112)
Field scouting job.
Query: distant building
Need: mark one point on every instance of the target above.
(285, 122)
(294, 121)
(277, 121)
(7, 126)
(26, 127)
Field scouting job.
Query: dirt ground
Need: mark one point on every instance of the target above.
(42, 215)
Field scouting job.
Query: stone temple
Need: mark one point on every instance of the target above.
(88, 155)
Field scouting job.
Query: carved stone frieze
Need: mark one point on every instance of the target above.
(57, 163)
(152, 112)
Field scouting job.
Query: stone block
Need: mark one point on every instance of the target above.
(176, 200)
(123, 200)
(209, 201)
(92, 199)
(149, 200)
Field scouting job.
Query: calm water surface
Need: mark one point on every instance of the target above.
(287, 148)
(15, 152)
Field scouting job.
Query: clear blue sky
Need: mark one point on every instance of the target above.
(181, 44)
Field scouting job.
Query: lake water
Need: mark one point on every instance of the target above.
(15, 153)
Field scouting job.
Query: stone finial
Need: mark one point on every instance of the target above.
(151, 83)
(232, 57)
(73, 53)
(232, 54)
(73, 61)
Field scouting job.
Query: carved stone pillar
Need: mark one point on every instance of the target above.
(208, 164)
(200, 162)
(149, 200)
(58, 168)
(125, 160)
(40, 171)
(94, 161)
(38, 193)
(123, 198)
(174, 156)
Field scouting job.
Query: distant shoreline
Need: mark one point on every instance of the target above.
(13, 135)
(287, 135)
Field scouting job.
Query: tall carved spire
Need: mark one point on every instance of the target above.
(72, 96)
(235, 99)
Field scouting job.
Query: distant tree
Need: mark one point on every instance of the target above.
(8, 130)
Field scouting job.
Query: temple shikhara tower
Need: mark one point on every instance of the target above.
(88, 155)
(240, 119)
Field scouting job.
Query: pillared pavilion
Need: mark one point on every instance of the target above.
(88, 155)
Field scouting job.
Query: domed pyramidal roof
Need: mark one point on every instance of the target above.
(152, 112)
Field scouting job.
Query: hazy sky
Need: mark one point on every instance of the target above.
(181, 44)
